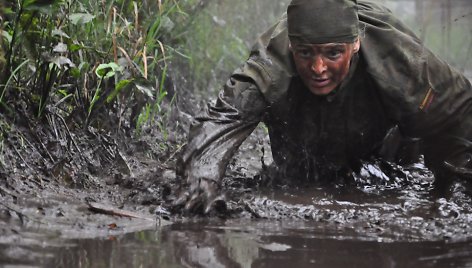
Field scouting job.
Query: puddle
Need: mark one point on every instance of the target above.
(243, 243)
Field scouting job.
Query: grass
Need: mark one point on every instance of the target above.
(89, 59)
(105, 63)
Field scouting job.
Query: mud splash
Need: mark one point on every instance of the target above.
(400, 205)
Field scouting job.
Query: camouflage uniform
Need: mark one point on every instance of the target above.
(393, 81)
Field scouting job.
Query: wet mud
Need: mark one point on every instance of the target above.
(383, 219)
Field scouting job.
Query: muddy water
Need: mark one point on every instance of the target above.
(254, 244)
(389, 224)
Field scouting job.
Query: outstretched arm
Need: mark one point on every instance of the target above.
(214, 137)
(216, 134)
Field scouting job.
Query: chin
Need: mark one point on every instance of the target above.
(321, 91)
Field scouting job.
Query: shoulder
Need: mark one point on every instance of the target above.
(272, 57)
(364, 6)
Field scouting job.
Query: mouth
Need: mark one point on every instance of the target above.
(320, 82)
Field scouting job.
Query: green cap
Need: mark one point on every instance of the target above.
(322, 21)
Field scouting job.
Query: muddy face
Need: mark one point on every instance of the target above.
(322, 67)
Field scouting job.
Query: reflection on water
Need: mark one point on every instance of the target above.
(263, 243)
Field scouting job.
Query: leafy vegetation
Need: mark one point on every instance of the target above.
(74, 73)
(92, 62)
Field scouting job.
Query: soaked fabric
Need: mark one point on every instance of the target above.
(318, 22)
(398, 82)
(324, 138)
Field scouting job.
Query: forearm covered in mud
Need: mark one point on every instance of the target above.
(217, 133)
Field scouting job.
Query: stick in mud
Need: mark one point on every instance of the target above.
(106, 209)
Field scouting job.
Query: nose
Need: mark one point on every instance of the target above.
(318, 66)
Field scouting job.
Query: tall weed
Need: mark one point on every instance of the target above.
(93, 62)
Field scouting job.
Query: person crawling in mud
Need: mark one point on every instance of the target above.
(333, 81)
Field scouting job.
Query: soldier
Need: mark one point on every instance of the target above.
(330, 80)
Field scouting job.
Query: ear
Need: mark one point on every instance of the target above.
(357, 45)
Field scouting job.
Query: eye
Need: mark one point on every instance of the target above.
(303, 53)
(334, 54)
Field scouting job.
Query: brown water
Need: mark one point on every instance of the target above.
(311, 227)
(248, 243)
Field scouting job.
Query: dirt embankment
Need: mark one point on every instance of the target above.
(52, 171)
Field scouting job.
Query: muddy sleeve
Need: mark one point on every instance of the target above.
(445, 123)
(439, 111)
(422, 93)
(217, 133)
